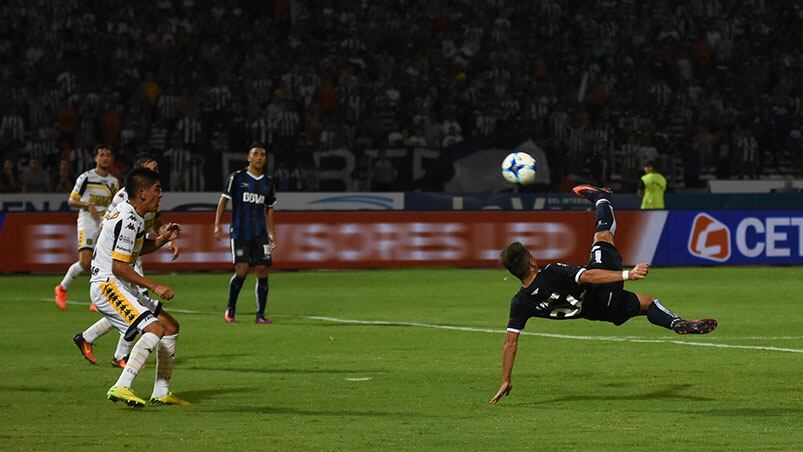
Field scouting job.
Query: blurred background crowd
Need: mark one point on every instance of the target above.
(708, 88)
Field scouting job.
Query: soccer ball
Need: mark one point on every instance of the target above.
(519, 168)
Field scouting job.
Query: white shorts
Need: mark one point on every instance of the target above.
(126, 308)
(88, 231)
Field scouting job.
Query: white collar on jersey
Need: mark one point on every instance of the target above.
(255, 177)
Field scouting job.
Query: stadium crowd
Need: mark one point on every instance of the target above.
(708, 88)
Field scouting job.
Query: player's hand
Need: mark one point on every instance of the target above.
(94, 212)
(218, 233)
(503, 391)
(169, 231)
(272, 241)
(163, 291)
(639, 271)
(174, 248)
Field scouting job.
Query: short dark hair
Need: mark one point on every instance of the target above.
(654, 164)
(142, 158)
(516, 259)
(102, 146)
(257, 145)
(139, 178)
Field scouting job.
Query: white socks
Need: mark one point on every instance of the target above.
(123, 348)
(164, 365)
(139, 354)
(74, 271)
(97, 330)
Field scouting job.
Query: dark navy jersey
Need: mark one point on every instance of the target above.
(555, 293)
(250, 197)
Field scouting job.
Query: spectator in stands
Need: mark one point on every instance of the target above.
(383, 174)
(361, 175)
(34, 178)
(8, 180)
(66, 181)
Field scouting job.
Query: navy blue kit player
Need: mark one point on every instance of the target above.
(594, 292)
(252, 232)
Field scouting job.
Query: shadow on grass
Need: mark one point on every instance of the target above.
(287, 410)
(284, 371)
(747, 412)
(668, 393)
(202, 394)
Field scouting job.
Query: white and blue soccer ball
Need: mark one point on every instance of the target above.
(519, 168)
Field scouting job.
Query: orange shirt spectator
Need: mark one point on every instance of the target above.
(67, 120)
(110, 126)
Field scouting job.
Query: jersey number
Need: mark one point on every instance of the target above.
(568, 312)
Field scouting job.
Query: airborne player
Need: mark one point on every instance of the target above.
(594, 292)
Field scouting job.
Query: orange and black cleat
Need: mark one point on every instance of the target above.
(592, 193)
(85, 347)
(61, 297)
(119, 362)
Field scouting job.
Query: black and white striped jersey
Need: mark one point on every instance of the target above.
(555, 293)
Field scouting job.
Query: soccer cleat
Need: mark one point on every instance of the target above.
(169, 399)
(119, 362)
(263, 321)
(229, 316)
(92, 307)
(701, 326)
(85, 347)
(122, 394)
(592, 193)
(61, 297)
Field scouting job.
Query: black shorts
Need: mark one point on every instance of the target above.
(254, 252)
(608, 302)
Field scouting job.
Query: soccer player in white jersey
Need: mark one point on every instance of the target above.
(92, 194)
(85, 340)
(114, 286)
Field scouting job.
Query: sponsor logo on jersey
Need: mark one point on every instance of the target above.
(253, 198)
(709, 239)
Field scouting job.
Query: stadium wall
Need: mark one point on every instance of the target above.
(380, 239)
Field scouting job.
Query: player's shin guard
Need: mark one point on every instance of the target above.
(262, 296)
(605, 219)
(657, 314)
(139, 354)
(73, 272)
(164, 365)
(235, 284)
(97, 330)
(123, 348)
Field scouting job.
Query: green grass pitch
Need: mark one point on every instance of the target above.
(313, 381)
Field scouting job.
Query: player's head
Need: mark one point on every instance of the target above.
(143, 187)
(651, 166)
(257, 157)
(517, 260)
(145, 160)
(104, 156)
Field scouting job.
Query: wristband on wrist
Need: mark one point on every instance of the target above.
(625, 275)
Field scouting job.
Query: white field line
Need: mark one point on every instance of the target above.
(558, 336)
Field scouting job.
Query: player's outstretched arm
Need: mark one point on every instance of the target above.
(508, 357)
(167, 233)
(598, 276)
(172, 245)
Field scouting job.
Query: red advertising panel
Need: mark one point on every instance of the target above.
(320, 240)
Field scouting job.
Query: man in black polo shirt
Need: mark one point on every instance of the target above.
(594, 292)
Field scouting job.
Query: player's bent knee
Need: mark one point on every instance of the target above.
(261, 271)
(155, 328)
